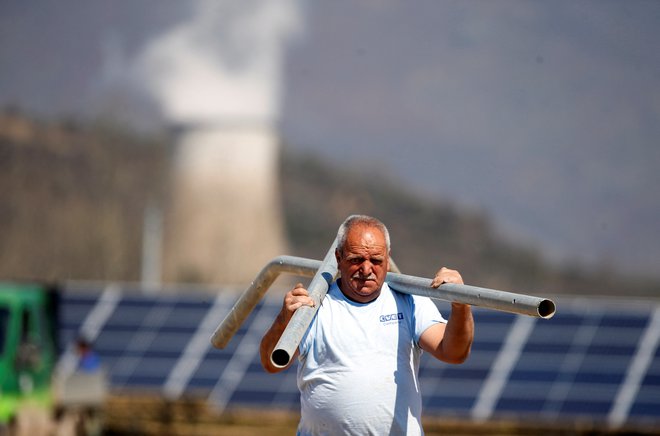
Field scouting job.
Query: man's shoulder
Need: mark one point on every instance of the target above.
(333, 291)
(399, 296)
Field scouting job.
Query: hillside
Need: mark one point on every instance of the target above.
(73, 199)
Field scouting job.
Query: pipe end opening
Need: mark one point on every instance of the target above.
(547, 309)
(280, 358)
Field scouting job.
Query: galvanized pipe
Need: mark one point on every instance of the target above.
(483, 297)
(473, 295)
(257, 289)
(325, 272)
(302, 317)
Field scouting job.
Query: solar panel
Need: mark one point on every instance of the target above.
(580, 364)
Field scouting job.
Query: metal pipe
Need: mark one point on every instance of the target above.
(302, 317)
(254, 293)
(473, 295)
(257, 289)
(483, 297)
(325, 272)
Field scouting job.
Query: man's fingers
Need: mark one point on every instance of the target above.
(299, 302)
(446, 275)
(295, 305)
(297, 298)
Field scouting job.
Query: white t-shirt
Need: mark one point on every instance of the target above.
(359, 363)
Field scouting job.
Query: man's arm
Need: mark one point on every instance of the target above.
(294, 299)
(450, 342)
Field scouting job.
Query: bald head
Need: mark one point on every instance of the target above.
(361, 220)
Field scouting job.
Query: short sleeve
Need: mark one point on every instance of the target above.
(426, 314)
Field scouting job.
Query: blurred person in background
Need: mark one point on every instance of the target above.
(88, 359)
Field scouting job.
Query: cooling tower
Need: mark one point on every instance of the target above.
(218, 74)
(224, 222)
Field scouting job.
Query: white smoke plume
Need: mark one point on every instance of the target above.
(222, 65)
(218, 75)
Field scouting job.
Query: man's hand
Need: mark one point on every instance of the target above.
(446, 275)
(450, 342)
(294, 299)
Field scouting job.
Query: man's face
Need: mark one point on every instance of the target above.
(363, 263)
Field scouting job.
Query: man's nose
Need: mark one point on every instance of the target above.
(366, 267)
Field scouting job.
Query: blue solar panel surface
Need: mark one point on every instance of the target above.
(593, 360)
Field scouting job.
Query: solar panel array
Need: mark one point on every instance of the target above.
(594, 360)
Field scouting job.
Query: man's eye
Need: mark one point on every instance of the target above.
(356, 261)
(376, 261)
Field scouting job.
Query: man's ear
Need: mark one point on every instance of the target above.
(337, 255)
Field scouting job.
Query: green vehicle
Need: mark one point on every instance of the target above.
(28, 348)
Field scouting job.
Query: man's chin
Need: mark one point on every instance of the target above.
(365, 291)
(361, 291)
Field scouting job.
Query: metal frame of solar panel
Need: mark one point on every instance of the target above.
(594, 360)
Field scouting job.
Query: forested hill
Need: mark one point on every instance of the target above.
(73, 199)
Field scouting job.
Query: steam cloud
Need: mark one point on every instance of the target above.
(224, 64)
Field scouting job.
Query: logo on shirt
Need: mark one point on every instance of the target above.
(391, 318)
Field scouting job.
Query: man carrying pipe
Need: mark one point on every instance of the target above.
(359, 358)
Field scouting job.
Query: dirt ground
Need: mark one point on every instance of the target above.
(133, 415)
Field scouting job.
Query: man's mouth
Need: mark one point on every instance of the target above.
(361, 278)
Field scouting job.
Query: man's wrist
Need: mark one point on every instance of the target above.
(460, 306)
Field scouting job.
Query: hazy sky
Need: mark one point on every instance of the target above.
(546, 115)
